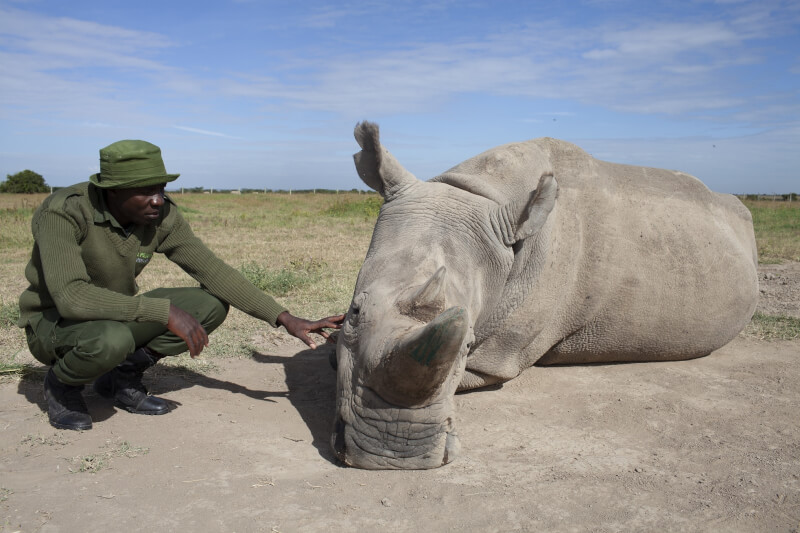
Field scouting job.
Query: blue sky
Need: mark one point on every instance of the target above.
(265, 94)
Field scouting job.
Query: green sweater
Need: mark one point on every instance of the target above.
(85, 265)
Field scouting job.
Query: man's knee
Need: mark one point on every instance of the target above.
(216, 313)
(100, 346)
(107, 339)
(209, 310)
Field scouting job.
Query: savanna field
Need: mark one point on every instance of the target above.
(709, 444)
(305, 250)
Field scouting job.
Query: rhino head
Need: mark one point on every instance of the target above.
(437, 263)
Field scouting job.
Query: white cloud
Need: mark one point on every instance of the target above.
(205, 132)
(63, 71)
(653, 67)
(655, 41)
(67, 43)
(649, 67)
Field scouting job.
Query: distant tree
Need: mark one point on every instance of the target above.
(26, 181)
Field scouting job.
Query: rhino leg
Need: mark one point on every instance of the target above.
(476, 380)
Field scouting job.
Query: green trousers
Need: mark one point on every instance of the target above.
(82, 351)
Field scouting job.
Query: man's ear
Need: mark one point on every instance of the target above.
(111, 196)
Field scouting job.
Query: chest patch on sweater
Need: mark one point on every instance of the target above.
(142, 258)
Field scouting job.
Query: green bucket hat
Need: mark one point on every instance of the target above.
(128, 164)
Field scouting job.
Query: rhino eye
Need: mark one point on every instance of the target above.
(355, 309)
(352, 319)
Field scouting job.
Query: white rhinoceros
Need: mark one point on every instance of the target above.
(530, 253)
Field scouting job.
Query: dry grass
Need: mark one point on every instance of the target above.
(773, 327)
(777, 229)
(103, 458)
(320, 239)
(276, 233)
(326, 235)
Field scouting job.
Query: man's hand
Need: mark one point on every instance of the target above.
(300, 327)
(187, 328)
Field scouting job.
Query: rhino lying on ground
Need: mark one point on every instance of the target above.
(529, 253)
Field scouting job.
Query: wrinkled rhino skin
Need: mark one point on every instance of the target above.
(529, 253)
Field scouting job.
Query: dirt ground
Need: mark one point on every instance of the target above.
(706, 445)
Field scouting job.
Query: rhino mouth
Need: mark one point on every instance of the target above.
(398, 413)
(375, 434)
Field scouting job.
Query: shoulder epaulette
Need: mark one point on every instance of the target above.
(58, 198)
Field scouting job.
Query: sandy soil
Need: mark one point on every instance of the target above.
(780, 289)
(706, 445)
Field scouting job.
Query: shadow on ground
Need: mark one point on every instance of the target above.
(305, 377)
(312, 391)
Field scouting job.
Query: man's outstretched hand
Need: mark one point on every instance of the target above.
(187, 328)
(300, 327)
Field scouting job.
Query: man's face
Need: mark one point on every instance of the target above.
(140, 205)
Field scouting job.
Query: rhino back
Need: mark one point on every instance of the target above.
(638, 264)
(503, 173)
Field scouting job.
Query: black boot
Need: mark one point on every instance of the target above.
(124, 385)
(65, 406)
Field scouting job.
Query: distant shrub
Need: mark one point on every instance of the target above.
(25, 182)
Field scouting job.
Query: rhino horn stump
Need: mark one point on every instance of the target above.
(418, 364)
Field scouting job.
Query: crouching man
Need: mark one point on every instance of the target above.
(82, 314)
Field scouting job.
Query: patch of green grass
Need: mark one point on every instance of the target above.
(297, 274)
(773, 327)
(89, 463)
(126, 449)
(11, 214)
(185, 366)
(367, 208)
(57, 439)
(777, 230)
(9, 314)
(16, 222)
(11, 369)
(5, 493)
(183, 209)
(20, 369)
(95, 462)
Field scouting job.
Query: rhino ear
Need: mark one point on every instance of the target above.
(538, 208)
(513, 223)
(376, 166)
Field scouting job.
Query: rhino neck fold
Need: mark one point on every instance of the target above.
(529, 258)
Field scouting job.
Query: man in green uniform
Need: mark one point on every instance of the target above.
(82, 314)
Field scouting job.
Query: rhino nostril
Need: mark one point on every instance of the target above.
(337, 439)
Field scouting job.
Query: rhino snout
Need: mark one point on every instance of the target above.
(375, 435)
